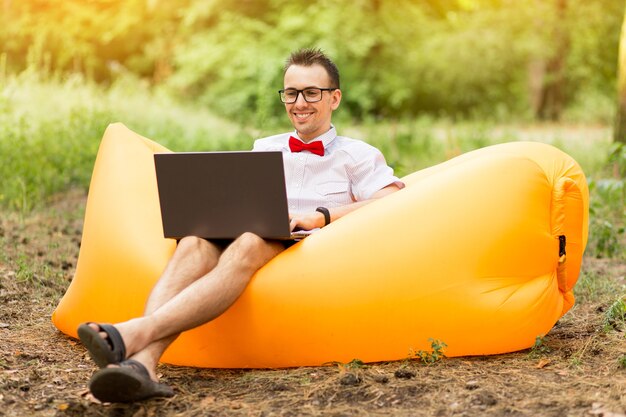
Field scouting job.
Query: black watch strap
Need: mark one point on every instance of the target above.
(326, 214)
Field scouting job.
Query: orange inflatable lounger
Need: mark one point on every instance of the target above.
(471, 252)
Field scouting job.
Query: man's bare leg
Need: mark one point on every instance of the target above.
(193, 258)
(201, 301)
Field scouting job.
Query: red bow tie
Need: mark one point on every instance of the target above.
(316, 147)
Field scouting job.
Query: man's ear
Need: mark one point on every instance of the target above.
(335, 99)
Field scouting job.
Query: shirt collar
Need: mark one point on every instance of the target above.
(326, 138)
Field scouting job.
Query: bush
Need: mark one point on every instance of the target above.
(608, 208)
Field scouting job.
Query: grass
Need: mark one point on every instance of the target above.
(51, 147)
(593, 286)
(615, 316)
(608, 206)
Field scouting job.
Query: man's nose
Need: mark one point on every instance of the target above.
(300, 101)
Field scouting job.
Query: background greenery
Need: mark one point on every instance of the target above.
(496, 59)
(424, 80)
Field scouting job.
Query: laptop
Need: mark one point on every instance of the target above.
(220, 195)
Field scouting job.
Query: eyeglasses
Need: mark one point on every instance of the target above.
(311, 95)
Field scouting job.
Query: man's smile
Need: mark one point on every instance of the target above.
(302, 116)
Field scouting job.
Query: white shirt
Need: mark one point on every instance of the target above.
(350, 170)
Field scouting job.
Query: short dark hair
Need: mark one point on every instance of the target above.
(310, 56)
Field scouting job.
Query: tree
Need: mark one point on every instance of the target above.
(620, 125)
(547, 75)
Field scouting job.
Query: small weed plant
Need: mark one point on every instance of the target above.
(434, 355)
(577, 358)
(539, 348)
(24, 269)
(615, 315)
(353, 364)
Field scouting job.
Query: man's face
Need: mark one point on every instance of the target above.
(310, 119)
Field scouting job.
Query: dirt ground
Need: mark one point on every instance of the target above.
(579, 370)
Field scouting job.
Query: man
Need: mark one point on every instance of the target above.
(327, 177)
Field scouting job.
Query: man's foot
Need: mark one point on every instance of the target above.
(128, 382)
(103, 351)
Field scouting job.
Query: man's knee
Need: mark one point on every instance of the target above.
(249, 243)
(252, 251)
(196, 247)
(191, 244)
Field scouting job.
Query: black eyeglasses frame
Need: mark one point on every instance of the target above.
(298, 92)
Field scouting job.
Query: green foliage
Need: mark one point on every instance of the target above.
(617, 157)
(24, 271)
(353, 364)
(608, 208)
(593, 287)
(398, 58)
(41, 156)
(51, 147)
(606, 238)
(434, 355)
(539, 348)
(615, 315)
(408, 146)
(93, 38)
(621, 362)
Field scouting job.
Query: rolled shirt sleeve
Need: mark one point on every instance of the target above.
(369, 171)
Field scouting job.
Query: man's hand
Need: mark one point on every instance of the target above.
(307, 221)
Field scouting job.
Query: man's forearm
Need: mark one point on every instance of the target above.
(339, 212)
(316, 219)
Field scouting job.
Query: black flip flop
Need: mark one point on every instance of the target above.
(103, 351)
(128, 382)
